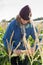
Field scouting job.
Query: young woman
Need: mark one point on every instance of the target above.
(21, 23)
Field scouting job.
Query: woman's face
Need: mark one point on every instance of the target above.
(24, 21)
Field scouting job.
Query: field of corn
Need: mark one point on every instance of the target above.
(35, 59)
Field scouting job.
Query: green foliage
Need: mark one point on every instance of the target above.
(31, 40)
(4, 60)
(1, 34)
(37, 63)
(41, 32)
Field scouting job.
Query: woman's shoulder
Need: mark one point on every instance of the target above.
(12, 25)
(13, 22)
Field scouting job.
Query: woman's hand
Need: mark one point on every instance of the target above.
(18, 52)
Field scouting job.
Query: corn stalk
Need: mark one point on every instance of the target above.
(38, 43)
(10, 45)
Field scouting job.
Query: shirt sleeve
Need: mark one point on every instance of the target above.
(7, 35)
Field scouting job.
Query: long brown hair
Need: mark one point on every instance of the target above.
(18, 18)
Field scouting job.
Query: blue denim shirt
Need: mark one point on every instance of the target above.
(14, 26)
